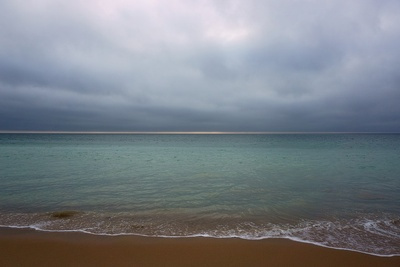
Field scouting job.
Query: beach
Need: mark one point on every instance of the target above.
(26, 247)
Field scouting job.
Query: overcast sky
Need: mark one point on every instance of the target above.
(262, 65)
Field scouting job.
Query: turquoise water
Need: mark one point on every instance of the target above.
(336, 190)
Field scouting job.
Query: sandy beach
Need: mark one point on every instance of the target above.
(24, 247)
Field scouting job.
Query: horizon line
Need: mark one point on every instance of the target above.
(186, 132)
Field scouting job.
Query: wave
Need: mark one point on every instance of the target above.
(372, 235)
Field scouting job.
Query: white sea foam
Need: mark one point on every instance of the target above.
(379, 237)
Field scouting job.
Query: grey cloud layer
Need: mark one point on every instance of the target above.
(200, 65)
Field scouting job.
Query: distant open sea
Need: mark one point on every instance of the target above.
(334, 190)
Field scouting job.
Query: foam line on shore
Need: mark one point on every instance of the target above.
(198, 236)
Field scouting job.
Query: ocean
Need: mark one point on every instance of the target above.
(334, 190)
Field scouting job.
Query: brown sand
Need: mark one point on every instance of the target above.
(33, 248)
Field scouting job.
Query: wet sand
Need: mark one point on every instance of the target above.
(22, 247)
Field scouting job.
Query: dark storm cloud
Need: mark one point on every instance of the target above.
(200, 66)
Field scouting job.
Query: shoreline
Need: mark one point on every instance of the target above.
(133, 235)
(29, 247)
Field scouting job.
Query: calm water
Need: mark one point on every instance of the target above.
(336, 190)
